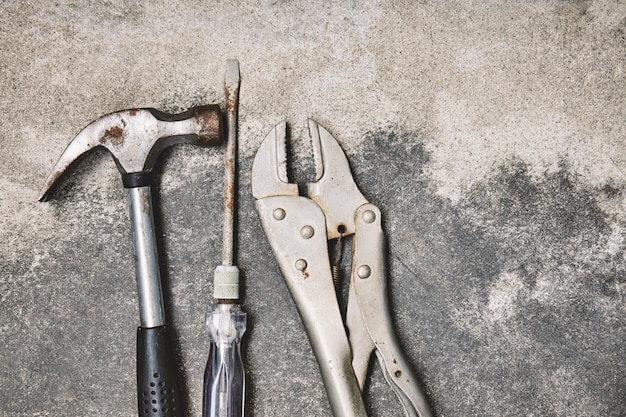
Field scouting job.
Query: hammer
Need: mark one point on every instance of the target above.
(135, 138)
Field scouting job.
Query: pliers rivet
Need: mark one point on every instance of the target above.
(279, 214)
(369, 216)
(301, 264)
(364, 271)
(307, 232)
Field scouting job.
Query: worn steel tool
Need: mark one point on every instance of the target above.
(135, 138)
(298, 229)
(224, 377)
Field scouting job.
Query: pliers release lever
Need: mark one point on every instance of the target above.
(298, 229)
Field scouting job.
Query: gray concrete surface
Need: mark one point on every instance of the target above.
(491, 134)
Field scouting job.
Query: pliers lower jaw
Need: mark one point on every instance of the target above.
(298, 229)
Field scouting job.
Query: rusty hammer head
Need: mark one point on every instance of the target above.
(136, 137)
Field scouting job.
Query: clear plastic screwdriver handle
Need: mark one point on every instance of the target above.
(224, 378)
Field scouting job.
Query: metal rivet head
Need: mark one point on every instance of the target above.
(307, 232)
(364, 271)
(301, 264)
(279, 214)
(369, 216)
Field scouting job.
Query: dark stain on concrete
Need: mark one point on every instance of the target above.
(509, 301)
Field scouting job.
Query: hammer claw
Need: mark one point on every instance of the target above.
(84, 142)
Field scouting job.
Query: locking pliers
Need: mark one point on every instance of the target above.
(298, 229)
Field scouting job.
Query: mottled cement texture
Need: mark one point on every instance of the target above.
(491, 134)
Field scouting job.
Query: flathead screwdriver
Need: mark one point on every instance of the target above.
(224, 378)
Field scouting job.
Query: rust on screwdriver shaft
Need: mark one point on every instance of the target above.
(231, 90)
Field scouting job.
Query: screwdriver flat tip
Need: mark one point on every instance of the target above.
(232, 77)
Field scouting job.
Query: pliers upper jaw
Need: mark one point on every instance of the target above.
(334, 189)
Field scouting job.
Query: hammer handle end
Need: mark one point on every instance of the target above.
(158, 389)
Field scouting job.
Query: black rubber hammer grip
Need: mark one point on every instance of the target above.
(157, 381)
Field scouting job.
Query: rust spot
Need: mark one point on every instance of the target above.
(231, 100)
(146, 203)
(210, 124)
(113, 135)
(230, 197)
(398, 373)
(305, 274)
(133, 112)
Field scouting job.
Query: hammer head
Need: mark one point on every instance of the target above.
(136, 137)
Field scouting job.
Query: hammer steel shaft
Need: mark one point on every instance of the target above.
(151, 311)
